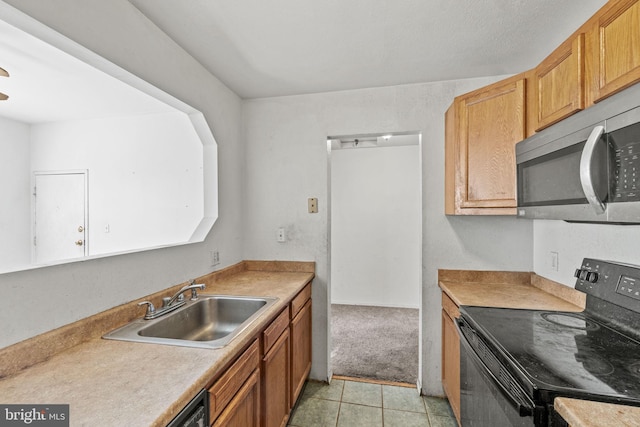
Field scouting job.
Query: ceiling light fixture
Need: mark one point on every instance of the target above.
(3, 73)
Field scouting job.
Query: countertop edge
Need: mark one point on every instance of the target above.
(586, 413)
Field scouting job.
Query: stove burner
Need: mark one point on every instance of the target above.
(634, 369)
(596, 365)
(570, 321)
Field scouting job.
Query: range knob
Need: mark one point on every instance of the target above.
(589, 276)
(580, 274)
(592, 277)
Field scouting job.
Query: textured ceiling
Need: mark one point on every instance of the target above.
(283, 47)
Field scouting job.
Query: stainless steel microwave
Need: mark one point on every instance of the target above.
(585, 168)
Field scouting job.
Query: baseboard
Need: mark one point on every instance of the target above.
(415, 307)
(373, 381)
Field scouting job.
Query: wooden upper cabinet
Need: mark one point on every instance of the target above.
(616, 47)
(559, 83)
(481, 131)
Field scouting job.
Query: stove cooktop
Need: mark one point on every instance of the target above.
(562, 353)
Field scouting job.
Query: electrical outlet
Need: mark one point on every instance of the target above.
(553, 263)
(280, 235)
(215, 257)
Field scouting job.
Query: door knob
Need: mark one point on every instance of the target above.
(80, 229)
(79, 242)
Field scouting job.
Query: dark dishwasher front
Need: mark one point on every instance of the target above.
(484, 402)
(195, 414)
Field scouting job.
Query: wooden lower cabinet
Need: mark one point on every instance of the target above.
(275, 379)
(234, 399)
(261, 386)
(450, 355)
(300, 350)
(244, 408)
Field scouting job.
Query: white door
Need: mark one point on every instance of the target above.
(59, 216)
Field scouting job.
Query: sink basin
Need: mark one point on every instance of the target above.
(211, 321)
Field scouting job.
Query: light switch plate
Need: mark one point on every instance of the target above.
(313, 205)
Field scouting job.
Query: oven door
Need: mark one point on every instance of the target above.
(485, 400)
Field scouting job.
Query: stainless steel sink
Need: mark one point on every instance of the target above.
(212, 321)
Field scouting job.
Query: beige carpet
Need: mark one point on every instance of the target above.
(375, 342)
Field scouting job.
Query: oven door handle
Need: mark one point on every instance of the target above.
(524, 408)
(586, 175)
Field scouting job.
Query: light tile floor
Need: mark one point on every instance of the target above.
(352, 404)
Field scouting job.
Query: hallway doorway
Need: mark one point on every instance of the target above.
(375, 247)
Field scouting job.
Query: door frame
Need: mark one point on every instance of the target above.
(420, 308)
(85, 174)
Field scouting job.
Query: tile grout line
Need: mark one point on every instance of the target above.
(340, 403)
(382, 404)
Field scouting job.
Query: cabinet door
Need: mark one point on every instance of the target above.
(223, 391)
(491, 122)
(244, 408)
(451, 363)
(275, 382)
(560, 83)
(300, 350)
(616, 47)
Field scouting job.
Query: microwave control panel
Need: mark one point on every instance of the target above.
(626, 178)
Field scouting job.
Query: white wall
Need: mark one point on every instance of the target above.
(287, 163)
(376, 223)
(145, 178)
(15, 194)
(573, 242)
(40, 300)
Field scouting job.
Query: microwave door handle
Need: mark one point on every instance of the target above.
(585, 170)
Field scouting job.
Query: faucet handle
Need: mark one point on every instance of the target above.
(194, 289)
(150, 308)
(166, 300)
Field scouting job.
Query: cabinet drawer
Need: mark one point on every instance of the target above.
(300, 299)
(271, 334)
(449, 306)
(223, 390)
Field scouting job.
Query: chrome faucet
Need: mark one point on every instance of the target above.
(170, 304)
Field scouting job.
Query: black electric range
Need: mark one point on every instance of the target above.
(517, 361)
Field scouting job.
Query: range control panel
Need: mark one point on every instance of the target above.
(613, 282)
(629, 286)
